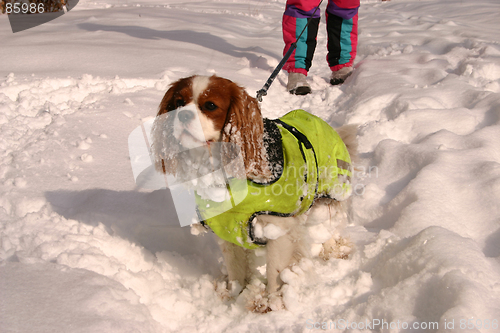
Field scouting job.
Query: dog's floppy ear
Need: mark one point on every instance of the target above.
(168, 101)
(244, 128)
(165, 147)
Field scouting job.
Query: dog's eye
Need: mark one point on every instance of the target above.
(210, 106)
(179, 103)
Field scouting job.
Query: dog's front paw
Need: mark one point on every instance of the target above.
(258, 300)
(276, 301)
(256, 297)
(264, 303)
(221, 290)
(226, 293)
(259, 304)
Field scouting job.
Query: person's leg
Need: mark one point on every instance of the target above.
(342, 28)
(295, 19)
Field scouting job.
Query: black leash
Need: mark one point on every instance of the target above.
(263, 92)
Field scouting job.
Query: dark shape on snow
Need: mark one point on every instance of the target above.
(20, 22)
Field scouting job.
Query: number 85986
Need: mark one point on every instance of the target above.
(24, 8)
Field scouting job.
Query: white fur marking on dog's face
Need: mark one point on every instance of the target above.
(200, 84)
(189, 134)
(197, 131)
(209, 131)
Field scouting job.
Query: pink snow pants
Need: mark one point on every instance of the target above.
(342, 29)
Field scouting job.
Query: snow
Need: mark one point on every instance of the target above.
(83, 249)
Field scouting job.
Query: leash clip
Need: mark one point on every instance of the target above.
(261, 93)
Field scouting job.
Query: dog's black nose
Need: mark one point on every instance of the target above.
(185, 116)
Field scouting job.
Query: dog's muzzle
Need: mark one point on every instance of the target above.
(187, 127)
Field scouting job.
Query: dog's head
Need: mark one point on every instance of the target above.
(199, 110)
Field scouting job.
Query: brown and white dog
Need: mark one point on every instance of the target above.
(200, 110)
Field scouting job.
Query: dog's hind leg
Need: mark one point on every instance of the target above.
(332, 215)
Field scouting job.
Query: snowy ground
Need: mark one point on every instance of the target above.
(83, 250)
